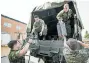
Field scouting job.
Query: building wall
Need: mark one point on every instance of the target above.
(12, 30)
(5, 50)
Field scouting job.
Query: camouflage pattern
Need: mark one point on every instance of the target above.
(78, 56)
(66, 19)
(38, 27)
(85, 54)
(14, 58)
(64, 15)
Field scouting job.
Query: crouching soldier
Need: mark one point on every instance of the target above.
(65, 15)
(17, 53)
(39, 27)
(73, 54)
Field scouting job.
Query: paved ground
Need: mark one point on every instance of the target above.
(32, 59)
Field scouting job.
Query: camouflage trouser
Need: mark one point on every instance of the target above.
(18, 60)
(68, 29)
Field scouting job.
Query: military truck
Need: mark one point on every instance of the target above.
(50, 50)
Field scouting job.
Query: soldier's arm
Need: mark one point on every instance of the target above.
(42, 26)
(33, 28)
(84, 45)
(25, 48)
(72, 14)
(65, 45)
(59, 15)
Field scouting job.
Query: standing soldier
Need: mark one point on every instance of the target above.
(65, 15)
(39, 27)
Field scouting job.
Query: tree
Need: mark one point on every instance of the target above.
(86, 35)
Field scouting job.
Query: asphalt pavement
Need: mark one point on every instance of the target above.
(32, 59)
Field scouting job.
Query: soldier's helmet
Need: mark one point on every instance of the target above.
(72, 43)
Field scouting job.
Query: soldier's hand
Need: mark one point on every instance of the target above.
(33, 30)
(61, 36)
(30, 41)
(84, 44)
(60, 19)
(40, 33)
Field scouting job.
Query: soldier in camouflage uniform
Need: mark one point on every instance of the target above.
(66, 15)
(17, 53)
(39, 27)
(72, 54)
(85, 50)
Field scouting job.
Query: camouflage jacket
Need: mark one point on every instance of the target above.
(79, 56)
(38, 25)
(64, 15)
(14, 58)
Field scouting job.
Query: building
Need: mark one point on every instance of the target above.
(11, 28)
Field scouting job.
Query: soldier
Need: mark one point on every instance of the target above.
(39, 27)
(65, 15)
(85, 50)
(72, 54)
(17, 53)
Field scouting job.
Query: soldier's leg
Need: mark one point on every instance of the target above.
(44, 33)
(37, 31)
(39, 60)
(40, 37)
(36, 34)
(68, 29)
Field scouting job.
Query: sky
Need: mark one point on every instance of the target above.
(21, 9)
